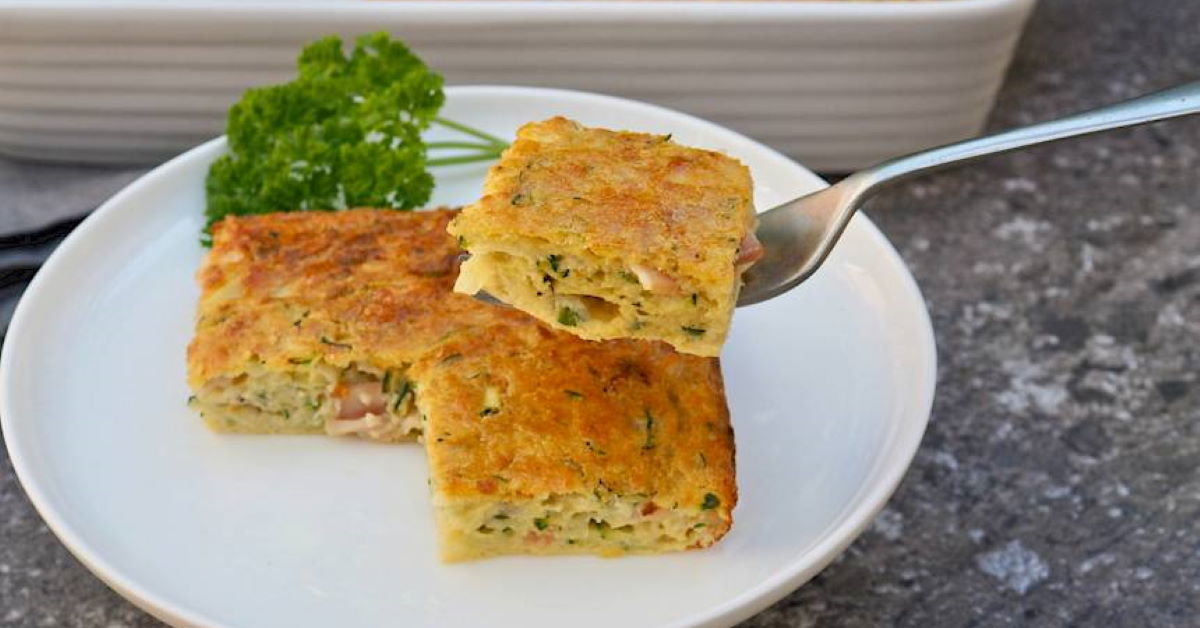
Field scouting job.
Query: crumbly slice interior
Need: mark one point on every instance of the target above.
(599, 299)
(599, 523)
(314, 397)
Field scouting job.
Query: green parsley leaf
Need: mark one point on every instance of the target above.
(345, 133)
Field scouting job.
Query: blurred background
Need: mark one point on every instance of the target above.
(1057, 484)
(838, 85)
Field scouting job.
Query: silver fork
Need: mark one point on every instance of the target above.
(798, 235)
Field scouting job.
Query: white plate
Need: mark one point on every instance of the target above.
(830, 388)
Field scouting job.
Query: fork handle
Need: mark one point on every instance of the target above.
(1173, 102)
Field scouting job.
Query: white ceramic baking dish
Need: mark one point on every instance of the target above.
(835, 84)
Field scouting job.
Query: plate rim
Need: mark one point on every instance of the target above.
(863, 508)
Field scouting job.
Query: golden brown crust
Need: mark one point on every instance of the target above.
(569, 416)
(365, 286)
(617, 194)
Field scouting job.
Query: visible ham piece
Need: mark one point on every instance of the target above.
(654, 280)
(749, 251)
(357, 400)
(539, 538)
(361, 409)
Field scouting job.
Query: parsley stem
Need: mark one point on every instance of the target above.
(463, 159)
(491, 139)
(472, 145)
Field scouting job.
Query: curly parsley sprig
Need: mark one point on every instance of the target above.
(346, 132)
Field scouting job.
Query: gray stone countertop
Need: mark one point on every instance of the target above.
(1058, 482)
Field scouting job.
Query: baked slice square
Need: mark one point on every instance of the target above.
(542, 443)
(612, 234)
(308, 321)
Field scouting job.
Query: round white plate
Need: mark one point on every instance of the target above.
(829, 386)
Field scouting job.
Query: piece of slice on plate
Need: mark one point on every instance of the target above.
(542, 443)
(308, 321)
(612, 234)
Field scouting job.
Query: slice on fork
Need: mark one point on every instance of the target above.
(612, 234)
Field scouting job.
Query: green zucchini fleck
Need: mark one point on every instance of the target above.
(338, 345)
(710, 501)
(394, 381)
(693, 331)
(599, 526)
(568, 317)
(555, 262)
(406, 389)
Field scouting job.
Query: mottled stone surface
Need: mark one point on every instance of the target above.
(1058, 481)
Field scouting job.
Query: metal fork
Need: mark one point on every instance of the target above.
(798, 235)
